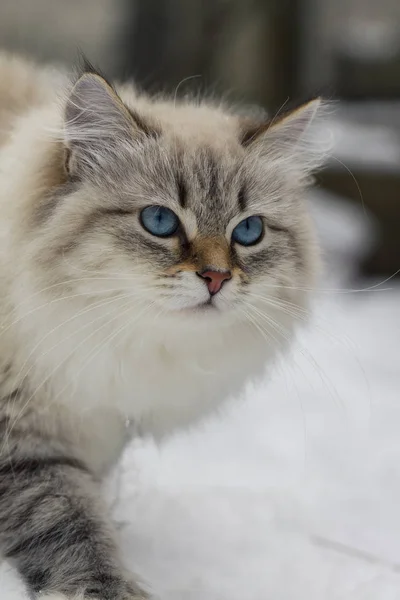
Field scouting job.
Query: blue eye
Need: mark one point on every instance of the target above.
(249, 231)
(159, 220)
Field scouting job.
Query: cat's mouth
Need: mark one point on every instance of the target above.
(201, 307)
(206, 306)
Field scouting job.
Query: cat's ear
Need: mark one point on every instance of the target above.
(96, 121)
(293, 139)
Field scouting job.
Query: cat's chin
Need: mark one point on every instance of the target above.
(203, 314)
(205, 308)
(206, 305)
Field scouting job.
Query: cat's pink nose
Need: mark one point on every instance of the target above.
(215, 279)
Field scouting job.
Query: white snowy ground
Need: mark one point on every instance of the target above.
(294, 493)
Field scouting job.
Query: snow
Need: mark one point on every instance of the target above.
(364, 136)
(292, 493)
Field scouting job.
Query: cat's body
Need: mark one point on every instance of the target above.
(107, 332)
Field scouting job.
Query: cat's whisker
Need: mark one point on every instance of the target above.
(88, 309)
(155, 316)
(182, 81)
(97, 349)
(102, 273)
(307, 355)
(265, 334)
(316, 367)
(13, 422)
(350, 172)
(288, 308)
(304, 315)
(318, 290)
(60, 364)
(53, 301)
(278, 328)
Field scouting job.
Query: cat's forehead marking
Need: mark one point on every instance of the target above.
(212, 181)
(209, 173)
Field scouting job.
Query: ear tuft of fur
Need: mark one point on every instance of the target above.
(296, 139)
(85, 66)
(94, 110)
(96, 123)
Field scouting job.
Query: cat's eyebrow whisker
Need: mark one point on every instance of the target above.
(182, 81)
(350, 172)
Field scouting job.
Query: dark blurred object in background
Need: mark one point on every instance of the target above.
(367, 61)
(262, 52)
(246, 47)
(352, 47)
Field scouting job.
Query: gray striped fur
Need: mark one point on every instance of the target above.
(53, 527)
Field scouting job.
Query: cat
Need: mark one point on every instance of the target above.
(154, 256)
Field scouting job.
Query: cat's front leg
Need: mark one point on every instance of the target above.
(53, 526)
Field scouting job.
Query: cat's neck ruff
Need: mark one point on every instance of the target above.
(160, 377)
(156, 380)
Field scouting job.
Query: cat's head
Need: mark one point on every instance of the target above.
(188, 212)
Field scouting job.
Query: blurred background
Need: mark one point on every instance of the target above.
(297, 490)
(264, 52)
